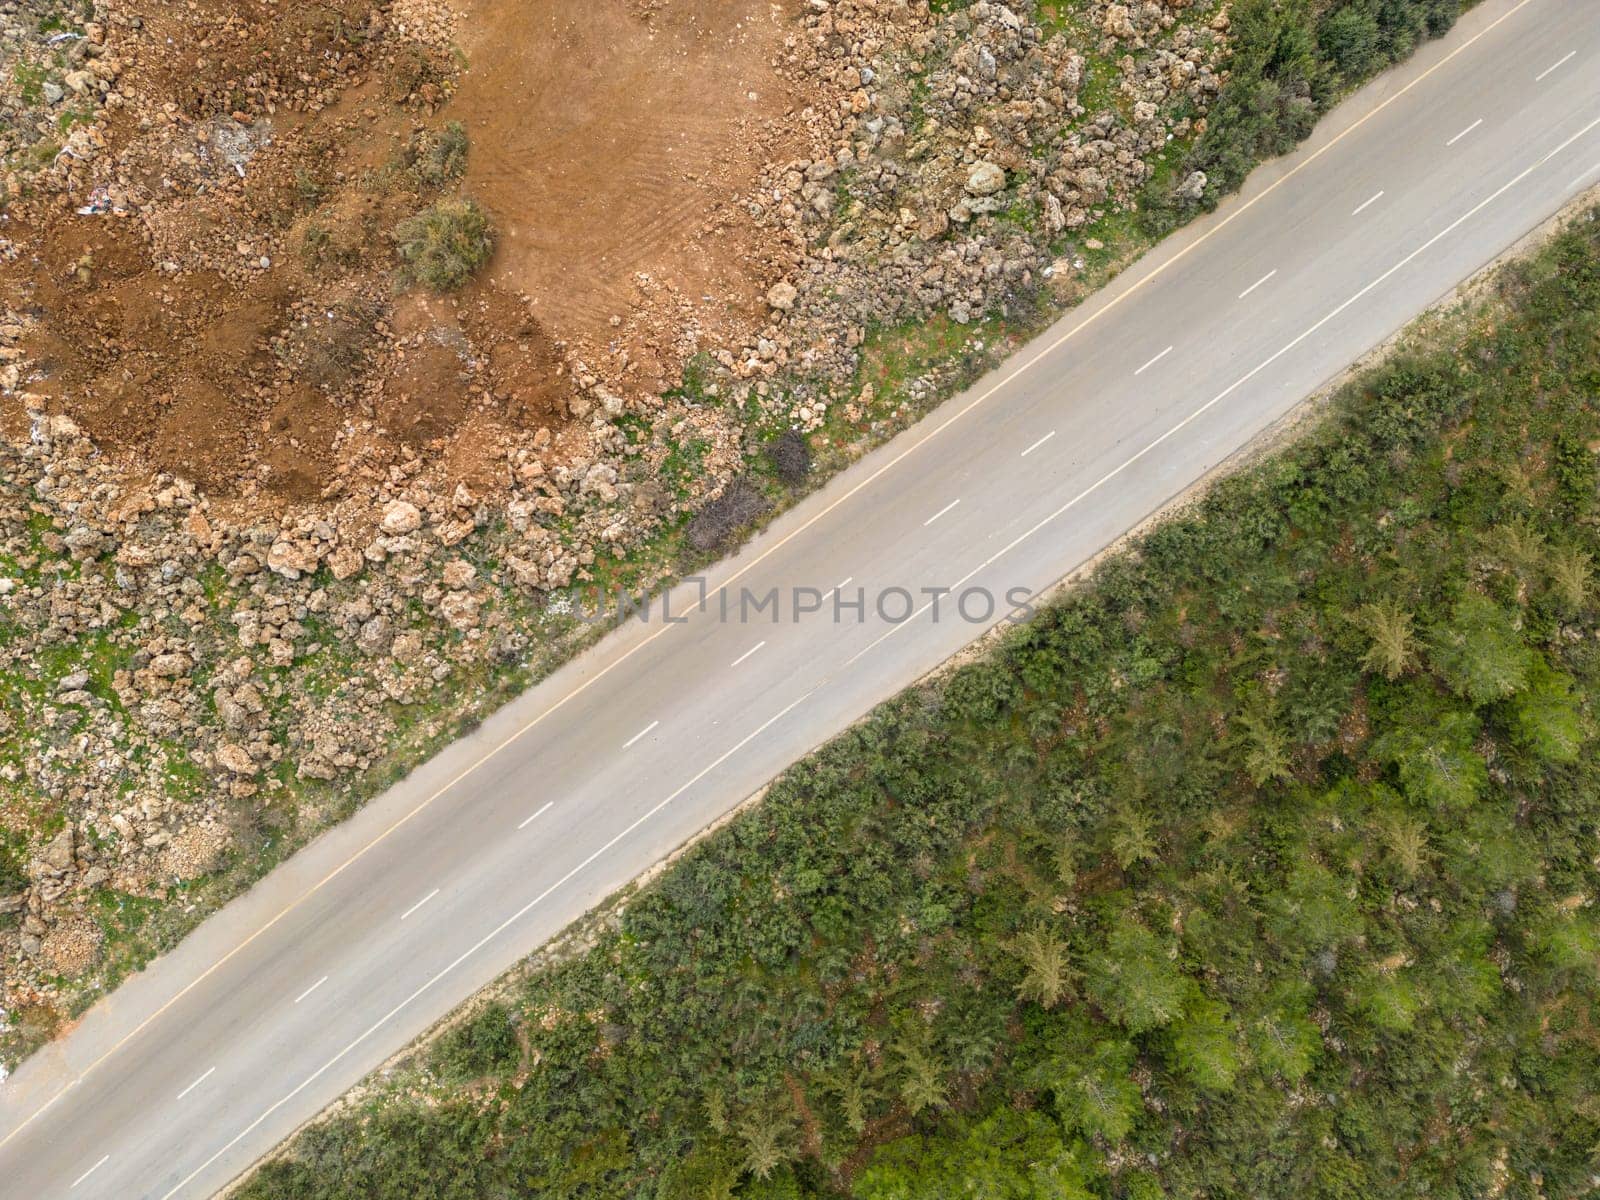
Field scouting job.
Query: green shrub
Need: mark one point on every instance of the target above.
(437, 158)
(443, 246)
(480, 1046)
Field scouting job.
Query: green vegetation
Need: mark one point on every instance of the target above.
(1262, 866)
(444, 245)
(1292, 60)
(12, 877)
(436, 158)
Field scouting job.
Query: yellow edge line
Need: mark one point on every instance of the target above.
(750, 566)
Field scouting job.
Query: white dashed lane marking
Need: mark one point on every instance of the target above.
(419, 904)
(1154, 361)
(1037, 444)
(548, 804)
(1555, 66)
(1258, 283)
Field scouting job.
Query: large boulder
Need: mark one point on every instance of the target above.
(985, 179)
(401, 517)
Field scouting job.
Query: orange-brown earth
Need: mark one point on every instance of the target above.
(237, 318)
(615, 143)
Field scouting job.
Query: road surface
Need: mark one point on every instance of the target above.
(190, 1072)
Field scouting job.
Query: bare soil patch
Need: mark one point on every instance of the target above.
(614, 143)
(232, 313)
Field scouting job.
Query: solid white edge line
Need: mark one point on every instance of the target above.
(839, 587)
(492, 934)
(311, 989)
(1539, 78)
(941, 512)
(196, 1083)
(1258, 283)
(419, 904)
(1154, 361)
(747, 653)
(1464, 132)
(1238, 383)
(548, 804)
(1037, 444)
(1585, 175)
(1366, 204)
(640, 734)
(90, 1171)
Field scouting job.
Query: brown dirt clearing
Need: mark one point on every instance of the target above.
(239, 323)
(613, 143)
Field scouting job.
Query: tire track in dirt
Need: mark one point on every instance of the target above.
(604, 142)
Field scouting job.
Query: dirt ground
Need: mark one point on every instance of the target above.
(235, 316)
(613, 143)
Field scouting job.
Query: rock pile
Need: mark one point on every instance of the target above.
(965, 146)
(56, 75)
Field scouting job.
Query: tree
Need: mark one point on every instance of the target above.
(1314, 908)
(1405, 843)
(1570, 576)
(1388, 624)
(1005, 1155)
(766, 1133)
(1134, 982)
(1545, 718)
(1093, 1089)
(854, 1085)
(1204, 1045)
(1480, 653)
(1435, 757)
(1519, 544)
(1348, 38)
(1390, 998)
(1283, 1039)
(1048, 975)
(1266, 751)
(921, 1078)
(1132, 840)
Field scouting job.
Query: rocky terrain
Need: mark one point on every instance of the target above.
(273, 522)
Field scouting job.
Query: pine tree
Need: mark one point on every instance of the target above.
(1204, 1045)
(1480, 653)
(921, 1082)
(1405, 841)
(1392, 652)
(1131, 838)
(1048, 976)
(1266, 751)
(1134, 982)
(1518, 544)
(765, 1133)
(1570, 576)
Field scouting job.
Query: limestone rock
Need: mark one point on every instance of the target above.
(986, 179)
(401, 517)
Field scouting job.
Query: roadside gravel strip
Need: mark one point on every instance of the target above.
(277, 1005)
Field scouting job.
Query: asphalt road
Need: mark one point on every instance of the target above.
(273, 1008)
